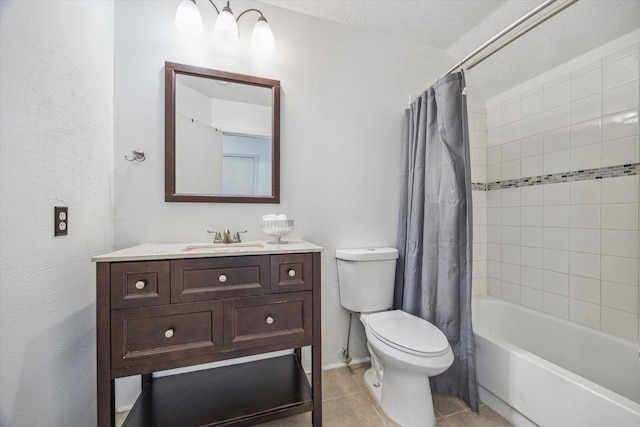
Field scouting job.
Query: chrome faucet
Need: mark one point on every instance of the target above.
(236, 236)
(217, 238)
(226, 236)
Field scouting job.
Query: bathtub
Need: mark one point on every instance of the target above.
(536, 369)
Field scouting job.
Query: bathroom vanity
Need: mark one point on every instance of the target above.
(165, 306)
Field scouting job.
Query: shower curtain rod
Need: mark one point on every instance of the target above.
(508, 29)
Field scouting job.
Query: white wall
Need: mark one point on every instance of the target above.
(198, 157)
(56, 132)
(570, 249)
(193, 104)
(343, 97)
(240, 117)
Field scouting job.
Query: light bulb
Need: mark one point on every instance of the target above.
(188, 19)
(262, 37)
(225, 30)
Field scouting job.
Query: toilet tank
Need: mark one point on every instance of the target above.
(366, 278)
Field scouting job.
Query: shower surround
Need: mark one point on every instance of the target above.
(556, 191)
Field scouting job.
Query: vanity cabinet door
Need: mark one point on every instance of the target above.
(283, 319)
(139, 284)
(205, 279)
(291, 272)
(146, 335)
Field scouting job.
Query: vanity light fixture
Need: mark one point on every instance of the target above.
(189, 21)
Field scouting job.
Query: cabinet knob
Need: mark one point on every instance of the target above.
(269, 320)
(140, 284)
(168, 333)
(291, 273)
(222, 278)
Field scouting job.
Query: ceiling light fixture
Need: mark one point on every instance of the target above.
(189, 21)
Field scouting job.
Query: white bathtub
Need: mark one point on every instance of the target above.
(536, 369)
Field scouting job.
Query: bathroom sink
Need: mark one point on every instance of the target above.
(221, 247)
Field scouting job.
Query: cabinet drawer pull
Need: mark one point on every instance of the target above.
(292, 273)
(269, 320)
(168, 333)
(222, 278)
(140, 284)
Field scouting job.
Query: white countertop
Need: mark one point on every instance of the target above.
(154, 251)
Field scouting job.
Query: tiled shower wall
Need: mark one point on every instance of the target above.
(561, 218)
(478, 144)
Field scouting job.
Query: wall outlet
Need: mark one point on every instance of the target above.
(61, 221)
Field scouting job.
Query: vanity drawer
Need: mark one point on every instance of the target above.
(145, 335)
(275, 319)
(291, 272)
(204, 279)
(139, 284)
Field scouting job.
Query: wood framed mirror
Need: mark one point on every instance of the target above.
(222, 136)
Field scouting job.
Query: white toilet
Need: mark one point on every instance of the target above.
(405, 350)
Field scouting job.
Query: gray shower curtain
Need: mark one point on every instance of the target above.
(433, 278)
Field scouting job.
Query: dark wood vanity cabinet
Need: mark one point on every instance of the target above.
(160, 314)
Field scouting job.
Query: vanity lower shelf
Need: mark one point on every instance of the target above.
(237, 395)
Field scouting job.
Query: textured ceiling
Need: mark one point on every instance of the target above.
(460, 26)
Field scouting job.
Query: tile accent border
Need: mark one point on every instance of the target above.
(478, 186)
(581, 175)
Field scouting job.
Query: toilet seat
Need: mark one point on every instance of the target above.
(408, 333)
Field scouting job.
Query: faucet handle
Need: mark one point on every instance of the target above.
(236, 236)
(217, 238)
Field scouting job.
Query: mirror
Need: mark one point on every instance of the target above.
(222, 136)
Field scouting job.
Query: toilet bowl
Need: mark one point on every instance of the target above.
(405, 349)
(410, 350)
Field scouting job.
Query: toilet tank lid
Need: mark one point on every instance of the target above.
(367, 254)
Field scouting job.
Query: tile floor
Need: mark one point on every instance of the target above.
(347, 402)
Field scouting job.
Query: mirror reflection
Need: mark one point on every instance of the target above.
(224, 143)
(223, 137)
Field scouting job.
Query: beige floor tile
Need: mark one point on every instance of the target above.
(445, 404)
(120, 417)
(357, 372)
(340, 382)
(351, 410)
(485, 418)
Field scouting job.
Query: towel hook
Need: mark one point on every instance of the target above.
(138, 156)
